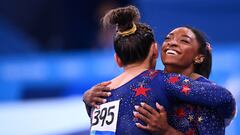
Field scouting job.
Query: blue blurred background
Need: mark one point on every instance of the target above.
(52, 51)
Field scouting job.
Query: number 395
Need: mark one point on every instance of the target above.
(101, 115)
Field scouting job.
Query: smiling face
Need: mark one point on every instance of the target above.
(180, 48)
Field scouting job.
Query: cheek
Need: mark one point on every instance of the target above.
(188, 56)
(164, 45)
(163, 56)
(186, 59)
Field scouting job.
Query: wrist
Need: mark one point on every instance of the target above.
(168, 130)
(171, 131)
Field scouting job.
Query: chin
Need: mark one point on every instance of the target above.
(170, 62)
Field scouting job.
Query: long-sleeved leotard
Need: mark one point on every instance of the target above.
(154, 86)
(200, 93)
(197, 119)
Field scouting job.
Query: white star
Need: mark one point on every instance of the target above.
(200, 119)
(190, 117)
(186, 80)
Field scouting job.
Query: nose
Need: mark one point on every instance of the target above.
(172, 42)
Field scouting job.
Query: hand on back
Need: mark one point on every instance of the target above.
(97, 94)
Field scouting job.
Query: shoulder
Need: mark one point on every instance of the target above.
(202, 79)
(154, 73)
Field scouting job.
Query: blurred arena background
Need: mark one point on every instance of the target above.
(51, 51)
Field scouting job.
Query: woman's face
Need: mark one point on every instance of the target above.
(179, 48)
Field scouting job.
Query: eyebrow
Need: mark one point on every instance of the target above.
(186, 36)
(172, 34)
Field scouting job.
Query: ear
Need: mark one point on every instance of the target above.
(154, 49)
(199, 59)
(118, 60)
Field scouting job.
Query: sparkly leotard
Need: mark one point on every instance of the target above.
(174, 92)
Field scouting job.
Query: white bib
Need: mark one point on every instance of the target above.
(104, 120)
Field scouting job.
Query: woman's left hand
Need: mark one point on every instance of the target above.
(156, 122)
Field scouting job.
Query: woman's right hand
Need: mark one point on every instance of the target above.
(97, 94)
(155, 121)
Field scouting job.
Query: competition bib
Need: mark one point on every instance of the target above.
(104, 120)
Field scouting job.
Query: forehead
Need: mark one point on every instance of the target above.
(183, 31)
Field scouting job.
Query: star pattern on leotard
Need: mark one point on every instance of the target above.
(185, 90)
(186, 81)
(190, 118)
(141, 91)
(200, 119)
(173, 79)
(180, 112)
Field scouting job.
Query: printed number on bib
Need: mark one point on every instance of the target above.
(105, 118)
(101, 115)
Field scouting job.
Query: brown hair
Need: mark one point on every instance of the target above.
(133, 47)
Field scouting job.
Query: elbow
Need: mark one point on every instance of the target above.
(228, 106)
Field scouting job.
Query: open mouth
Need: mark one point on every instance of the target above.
(171, 52)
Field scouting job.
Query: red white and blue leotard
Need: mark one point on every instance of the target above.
(193, 107)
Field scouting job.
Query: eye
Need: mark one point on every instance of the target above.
(166, 38)
(185, 41)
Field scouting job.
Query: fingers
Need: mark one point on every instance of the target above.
(139, 125)
(99, 97)
(142, 111)
(95, 105)
(96, 100)
(102, 94)
(96, 94)
(141, 117)
(99, 100)
(100, 88)
(149, 108)
(160, 108)
(155, 121)
(105, 83)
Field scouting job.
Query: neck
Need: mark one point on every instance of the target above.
(136, 67)
(180, 70)
(130, 71)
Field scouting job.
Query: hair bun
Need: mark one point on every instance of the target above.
(122, 17)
